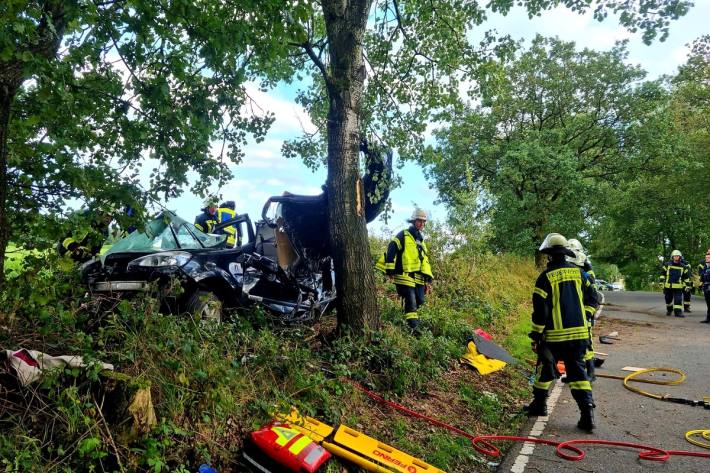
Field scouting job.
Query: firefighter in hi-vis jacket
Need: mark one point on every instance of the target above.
(406, 262)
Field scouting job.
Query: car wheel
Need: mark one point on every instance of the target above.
(206, 305)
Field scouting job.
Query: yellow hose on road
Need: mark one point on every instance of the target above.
(691, 434)
(702, 433)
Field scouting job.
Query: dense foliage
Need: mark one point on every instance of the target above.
(210, 386)
(576, 142)
(665, 206)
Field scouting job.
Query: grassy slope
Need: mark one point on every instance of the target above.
(211, 386)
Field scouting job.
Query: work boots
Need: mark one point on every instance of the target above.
(414, 327)
(586, 419)
(538, 407)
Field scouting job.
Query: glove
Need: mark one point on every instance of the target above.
(535, 336)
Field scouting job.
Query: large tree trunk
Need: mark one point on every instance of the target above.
(7, 93)
(355, 283)
(13, 73)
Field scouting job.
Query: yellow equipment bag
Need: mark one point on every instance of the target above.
(483, 364)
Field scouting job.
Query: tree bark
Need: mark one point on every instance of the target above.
(355, 283)
(13, 73)
(7, 94)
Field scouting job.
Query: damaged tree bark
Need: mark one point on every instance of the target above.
(41, 47)
(355, 281)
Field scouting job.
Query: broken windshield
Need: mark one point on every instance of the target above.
(166, 232)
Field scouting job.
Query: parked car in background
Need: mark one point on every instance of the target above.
(616, 286)
(602, 285)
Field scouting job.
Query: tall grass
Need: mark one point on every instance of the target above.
(212, 385)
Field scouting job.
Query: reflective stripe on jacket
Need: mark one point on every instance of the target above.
(674, 276)
(224, 214)
(407, 259)
(559, 298)
(205, 222)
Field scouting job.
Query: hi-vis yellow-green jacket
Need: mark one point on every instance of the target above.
(407, 259)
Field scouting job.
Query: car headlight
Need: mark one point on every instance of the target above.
(161, 260)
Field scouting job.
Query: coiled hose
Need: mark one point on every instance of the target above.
(692, 435)
(482, 443)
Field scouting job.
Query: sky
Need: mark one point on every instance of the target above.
(264, 172)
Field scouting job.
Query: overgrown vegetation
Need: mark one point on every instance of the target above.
(211, 385)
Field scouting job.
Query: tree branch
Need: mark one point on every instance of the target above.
(316, 59)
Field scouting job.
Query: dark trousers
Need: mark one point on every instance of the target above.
(572, 354)
(686, 298)
(674, 300)
(707, 302)
(413, 299)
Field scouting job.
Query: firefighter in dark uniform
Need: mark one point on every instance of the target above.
(226, 211)
(688, 289)
(581, 261)
(560, 330)
(576, 246)
(206, 221)
(674, 277)
(704, 273)
(407, 263)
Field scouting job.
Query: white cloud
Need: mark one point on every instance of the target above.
(290, 118)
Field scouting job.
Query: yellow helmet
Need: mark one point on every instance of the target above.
(575, 245)
(676, 253)
(578, 259)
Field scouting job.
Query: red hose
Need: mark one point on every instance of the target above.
(482, 443)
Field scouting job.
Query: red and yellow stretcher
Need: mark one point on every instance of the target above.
(356, 447)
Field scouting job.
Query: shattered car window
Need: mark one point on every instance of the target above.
(166, 232)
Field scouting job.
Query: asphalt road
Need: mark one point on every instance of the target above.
(647, 339)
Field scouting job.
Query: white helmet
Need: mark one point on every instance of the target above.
(575, 245)
(418, 214)
(555, 243)
(578, 259)
(676, 253)
(210, 201)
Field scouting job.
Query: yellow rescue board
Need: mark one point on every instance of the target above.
(354, 446)
(314, 428)
(381, 453)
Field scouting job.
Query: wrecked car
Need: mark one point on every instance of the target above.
(267, 269)
(284, 264)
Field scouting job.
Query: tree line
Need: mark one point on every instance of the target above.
(577, 141)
